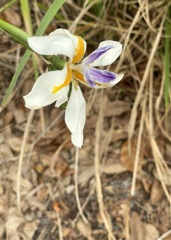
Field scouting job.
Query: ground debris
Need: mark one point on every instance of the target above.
(48, 205)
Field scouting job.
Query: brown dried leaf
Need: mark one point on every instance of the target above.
(168, 150)
(15, 19)
(12, 235)
(164, 217)
(2, 230)
(15, 144)
(61, 167)
(85, 174)
(165, 178)
(2, 138)
(117, 108)
(151, 232)
(126, 161)
(42, 194)
(84, 157)
(25, 184)
(5, 152)
(156, 192)
(114, 108)
(84, 229)
(1, 188)
(147, 182)
(3, 205)
(11, 225)
(8, 118)
(20, 116)
(113, 168)
(66, 231)
(29, 228)
(137, 230)
(119, 135)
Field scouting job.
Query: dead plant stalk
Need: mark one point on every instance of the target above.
(102, 208)
(31, 114)
(144, 79)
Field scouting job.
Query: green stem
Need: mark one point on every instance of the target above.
(22, 37)
(16, 33)
(57, 63)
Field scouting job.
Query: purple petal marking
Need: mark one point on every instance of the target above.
(95, 54)
(94, 76)
(88, 78)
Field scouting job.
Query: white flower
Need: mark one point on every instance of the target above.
(53, 86)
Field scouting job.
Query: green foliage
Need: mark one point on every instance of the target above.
(16, 33)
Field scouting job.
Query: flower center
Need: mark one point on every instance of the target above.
(78, 75)
(77, 70)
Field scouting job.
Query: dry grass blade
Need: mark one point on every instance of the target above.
(144, 79)
(126, 40)
(162, 168)
(31, 114)
(165, 235)
(76, 187)
(59, 226)
(102, 208)
(138, 147)
(160, 120)
(39, 137)
(83, 11)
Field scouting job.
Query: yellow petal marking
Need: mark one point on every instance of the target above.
(79, 50)
(65, 83)
(78, 75)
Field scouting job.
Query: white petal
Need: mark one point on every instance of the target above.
(109, 56)
(65, 33)
(52, 45)
(79, 45)
(60, 41)
(41, 94)
(75, 116)
(62, 96)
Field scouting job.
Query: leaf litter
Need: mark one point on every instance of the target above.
(48, 207)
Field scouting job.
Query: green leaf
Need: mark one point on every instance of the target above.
(16, 33)
(50, 14)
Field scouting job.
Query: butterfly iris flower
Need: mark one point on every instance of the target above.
(54, 86)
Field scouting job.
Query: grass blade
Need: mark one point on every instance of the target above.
(26, 16)
(25, 8)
